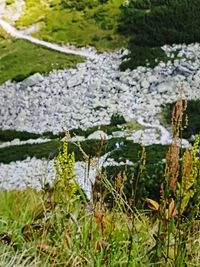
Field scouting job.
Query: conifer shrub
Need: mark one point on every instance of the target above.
(117, 119)
(151, 24)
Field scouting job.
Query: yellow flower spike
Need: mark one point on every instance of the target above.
(64, 168)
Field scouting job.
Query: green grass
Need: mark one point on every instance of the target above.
(43, 150)
(49, 149)
(9, 135)
(19, 59)
(95, 26)
(73, 236)
(49, 228)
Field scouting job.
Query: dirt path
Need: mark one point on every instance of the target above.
(63, 49)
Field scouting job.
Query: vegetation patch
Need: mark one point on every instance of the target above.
(152, 24)
(117, 121)
(190, 123)
(48, 150)
(150, 178)
(79, 23)
(148, 183)
(9, 135)
(20, 59)
(58, 226)
(93, 148)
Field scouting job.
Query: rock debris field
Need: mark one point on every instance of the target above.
(92, 92)
(89, 94)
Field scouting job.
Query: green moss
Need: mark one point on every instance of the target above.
(19, 59)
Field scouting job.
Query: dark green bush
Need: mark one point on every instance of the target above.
(106, 25)
(155, 23)
(137, 186)
(19, 78)
(9, 135)
(192, 115)
(46, 150)
(103, 1)
(93, 148)
(141, 56)
(117, 119)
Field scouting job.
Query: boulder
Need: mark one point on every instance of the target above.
(145, 84)
(152, 79)
(167, 86)
(182, 70)
(74, 81)
(32, 80)
(118, 134)
(98, 135)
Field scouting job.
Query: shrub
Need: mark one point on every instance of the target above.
(190, 119)
(117, 119)
(155, 23)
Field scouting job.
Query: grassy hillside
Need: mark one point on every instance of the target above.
(79, 23)
(19, 59)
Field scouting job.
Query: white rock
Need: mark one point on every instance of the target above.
(166, 87)
(145, 84)
(98, 135)
(32, 80)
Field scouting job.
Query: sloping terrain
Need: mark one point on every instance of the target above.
(79, 23)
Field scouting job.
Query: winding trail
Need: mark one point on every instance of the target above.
(63, 49)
